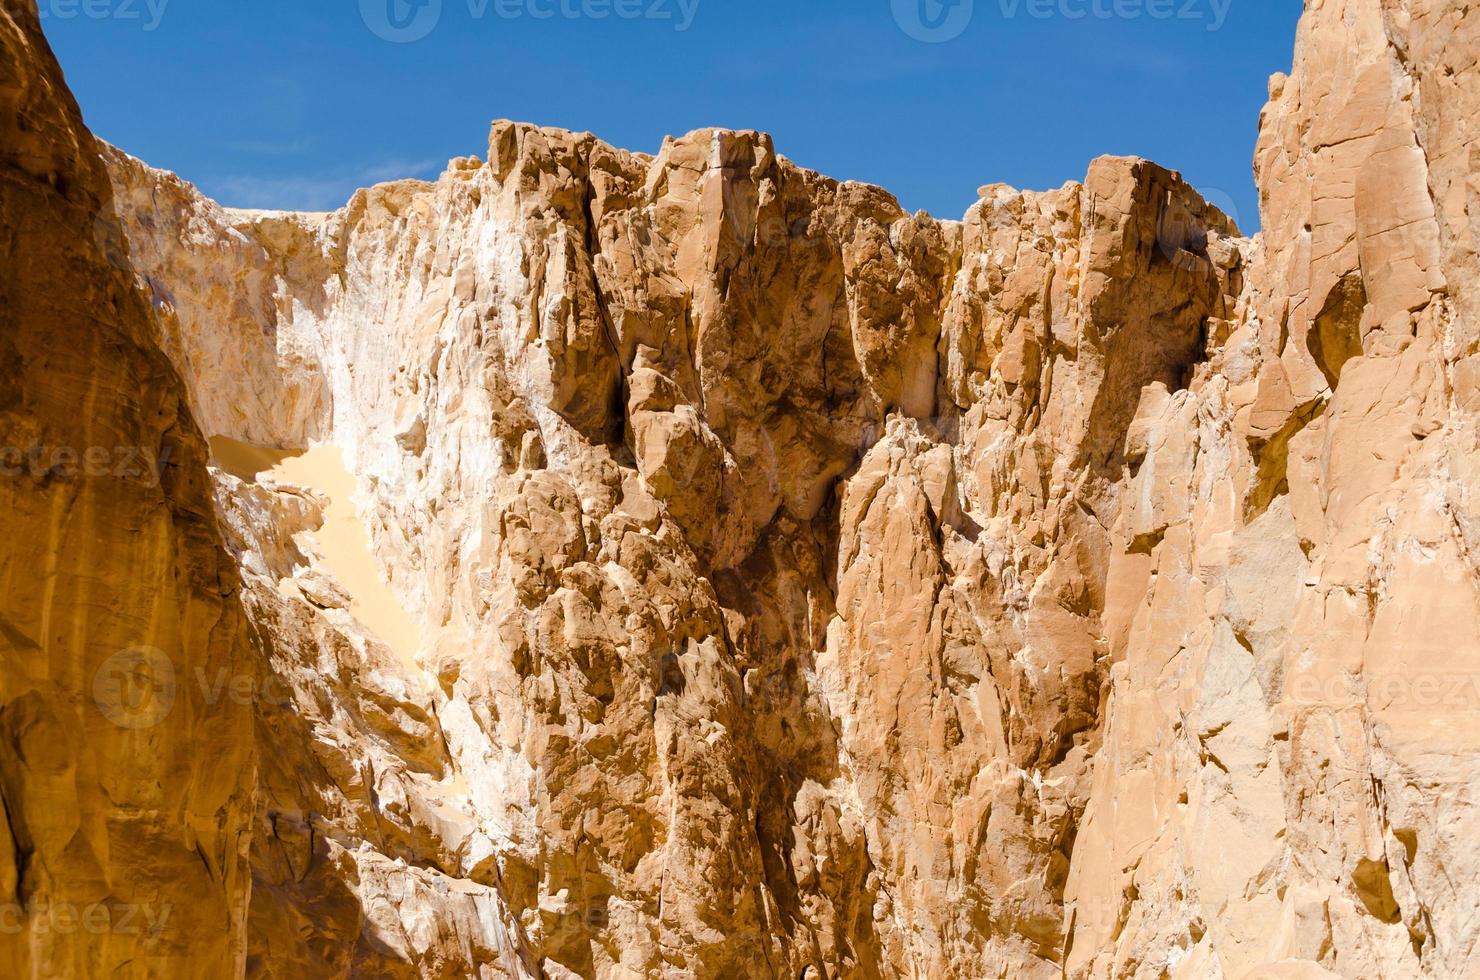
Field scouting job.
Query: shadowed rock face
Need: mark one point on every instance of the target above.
(127, 795)
(801, 588)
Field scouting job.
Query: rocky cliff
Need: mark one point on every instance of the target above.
(689, 565)
(127, 790)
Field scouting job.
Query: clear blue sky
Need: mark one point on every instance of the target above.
(294, 103)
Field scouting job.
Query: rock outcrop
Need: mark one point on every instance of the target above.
(689, 565)
(1291, 732)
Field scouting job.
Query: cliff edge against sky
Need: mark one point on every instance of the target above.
(595, 564)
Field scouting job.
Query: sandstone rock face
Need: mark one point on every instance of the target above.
(688, 565)
(127, 791)
(1291, 728)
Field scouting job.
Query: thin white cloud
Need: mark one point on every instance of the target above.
(271, 148)
(400, 170)
(312, 193)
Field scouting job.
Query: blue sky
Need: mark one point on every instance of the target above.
(294, 103)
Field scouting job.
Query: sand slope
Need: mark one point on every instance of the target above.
(342, 540)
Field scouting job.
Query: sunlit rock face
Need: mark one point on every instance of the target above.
(689, 565)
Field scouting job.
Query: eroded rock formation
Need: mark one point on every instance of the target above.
(688, 565)
(127, 795)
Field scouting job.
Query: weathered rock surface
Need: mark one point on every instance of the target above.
(127, 792)
(732, 574)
